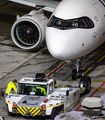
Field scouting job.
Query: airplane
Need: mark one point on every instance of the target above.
(74, 29)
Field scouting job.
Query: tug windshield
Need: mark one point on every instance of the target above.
(31, 89)
(83, 22)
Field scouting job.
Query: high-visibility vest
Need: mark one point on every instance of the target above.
(43, 91)
(9, 88)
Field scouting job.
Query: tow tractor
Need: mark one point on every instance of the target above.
(29, 101)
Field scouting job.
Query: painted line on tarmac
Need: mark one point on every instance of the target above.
(101, 58)
(33, 55)
(5, 4)
(56, 69)
(90, 68)
(97, 88)
(98, 80)
(91, 95)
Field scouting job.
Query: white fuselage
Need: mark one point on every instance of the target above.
(72, 43)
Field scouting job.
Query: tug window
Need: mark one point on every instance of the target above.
(50, 88)
(29, 89)
(83, 22)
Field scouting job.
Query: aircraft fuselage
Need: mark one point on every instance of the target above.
(76, 28)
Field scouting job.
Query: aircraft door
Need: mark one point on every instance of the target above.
(101, 14)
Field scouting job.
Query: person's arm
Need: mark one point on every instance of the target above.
(14, 87)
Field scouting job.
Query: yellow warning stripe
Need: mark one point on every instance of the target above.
(101, 58)
(55, 105)
(20, 110)
(8, 102)
(28, 108)
(31, 109)
(37, 112)
(71, 104)
(33, 112)
(25, 109)
(16, 111)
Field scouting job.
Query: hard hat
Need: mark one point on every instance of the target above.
(14, 80)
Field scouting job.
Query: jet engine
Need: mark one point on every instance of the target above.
(28, 31)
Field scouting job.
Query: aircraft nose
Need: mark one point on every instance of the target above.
(59, 44)
(57, 50)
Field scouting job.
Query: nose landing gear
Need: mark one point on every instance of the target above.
(85, 81)
(79, 72)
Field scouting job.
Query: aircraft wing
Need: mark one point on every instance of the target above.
(48, 5)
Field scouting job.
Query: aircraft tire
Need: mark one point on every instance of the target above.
(74, 74)
(81, 73)
(86, 82)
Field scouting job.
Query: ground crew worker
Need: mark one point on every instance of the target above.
(43, 90)
(11, 87)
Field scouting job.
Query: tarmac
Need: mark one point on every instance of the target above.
(16, 63)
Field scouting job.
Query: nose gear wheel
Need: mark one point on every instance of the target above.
(76, 74)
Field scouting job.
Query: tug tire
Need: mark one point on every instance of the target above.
(54, 113)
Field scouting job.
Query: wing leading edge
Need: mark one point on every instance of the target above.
(48, 5)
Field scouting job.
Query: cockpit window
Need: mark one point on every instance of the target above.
(58, 23)
(83, 22)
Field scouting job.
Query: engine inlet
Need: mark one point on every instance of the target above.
(26, 33)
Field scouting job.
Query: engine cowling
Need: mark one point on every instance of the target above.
(28, 31)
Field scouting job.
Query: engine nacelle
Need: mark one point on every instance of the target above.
(28, 31)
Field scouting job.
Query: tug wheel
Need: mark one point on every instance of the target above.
(54, 113)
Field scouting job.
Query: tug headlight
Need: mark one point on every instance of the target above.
(14, 105)
(43, 107)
